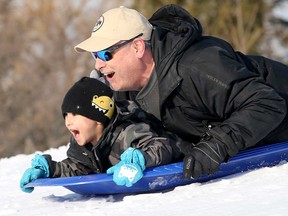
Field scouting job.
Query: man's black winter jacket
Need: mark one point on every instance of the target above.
(205, 85)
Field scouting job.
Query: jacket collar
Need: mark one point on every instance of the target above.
(175, 29)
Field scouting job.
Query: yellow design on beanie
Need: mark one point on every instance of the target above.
(104, 104)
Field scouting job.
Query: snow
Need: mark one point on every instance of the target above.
(260, 192)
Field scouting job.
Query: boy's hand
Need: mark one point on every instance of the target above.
(130, 169)
(28, 176)
(125, 174)
(39, 169)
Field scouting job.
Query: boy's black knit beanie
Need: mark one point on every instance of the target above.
(91, 98)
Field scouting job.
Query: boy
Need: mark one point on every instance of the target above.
(105, 134)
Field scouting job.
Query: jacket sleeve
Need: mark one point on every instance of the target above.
(248, 108)
(76, 164)
(157, 147)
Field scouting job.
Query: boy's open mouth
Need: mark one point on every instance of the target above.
(75, 133)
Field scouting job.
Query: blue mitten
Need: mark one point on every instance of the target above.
(130, 169)
(28, 176)
(39, 169)
(40, 162)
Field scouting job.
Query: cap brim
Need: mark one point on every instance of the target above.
(94, 44)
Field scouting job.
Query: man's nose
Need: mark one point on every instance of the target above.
(99, 64)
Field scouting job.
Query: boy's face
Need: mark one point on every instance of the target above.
(84, 130)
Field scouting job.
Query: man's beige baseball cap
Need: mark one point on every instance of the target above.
(113, 26)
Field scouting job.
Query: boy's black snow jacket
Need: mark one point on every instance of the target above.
(205, 85)
(131, 127)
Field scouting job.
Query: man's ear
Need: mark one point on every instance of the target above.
(139, 47)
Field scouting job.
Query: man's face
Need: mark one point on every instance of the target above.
(124, 71)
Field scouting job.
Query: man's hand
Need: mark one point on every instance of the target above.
(203, 159)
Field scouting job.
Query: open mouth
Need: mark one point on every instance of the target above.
(109, 76)
(75, 133)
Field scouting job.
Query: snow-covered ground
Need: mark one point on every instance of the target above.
(259, 193)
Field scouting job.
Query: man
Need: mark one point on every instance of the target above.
(219, 100)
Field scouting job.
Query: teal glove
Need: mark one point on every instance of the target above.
(130, 169)
(40, 162)
(39, 169)
(28, 176)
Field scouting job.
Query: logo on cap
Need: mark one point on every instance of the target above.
(98, 24)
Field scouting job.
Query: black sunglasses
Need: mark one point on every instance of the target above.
(106, 55)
